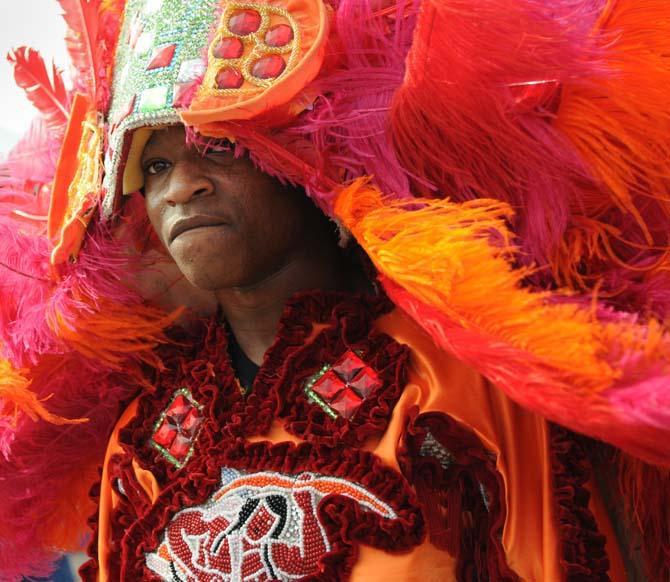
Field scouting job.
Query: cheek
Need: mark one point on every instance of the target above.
(277, 217)
(157, 217)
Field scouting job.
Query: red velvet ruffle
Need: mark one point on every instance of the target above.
(460, 494)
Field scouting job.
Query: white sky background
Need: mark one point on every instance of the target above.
(36, 23)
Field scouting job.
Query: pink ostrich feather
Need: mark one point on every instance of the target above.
(634, 414)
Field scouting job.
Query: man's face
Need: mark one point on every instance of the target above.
(225, 223)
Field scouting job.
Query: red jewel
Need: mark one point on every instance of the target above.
(179, 408)
(165, 434)
(161, 57)
(244, 22)
(347, 403)
(191, 423)
(229, 48)
(229, 78)
(268, 67)
(349, 365)
(279, 35)
(347, 384)
(366, 382)
(180, 447)
(328, 385)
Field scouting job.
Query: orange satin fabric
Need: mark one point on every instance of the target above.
(438, 382)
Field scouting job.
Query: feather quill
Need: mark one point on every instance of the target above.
(47, 94)
(82, 19)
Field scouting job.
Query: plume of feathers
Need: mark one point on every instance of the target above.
(531, 103)
(47, 93)
(82, 20)
(81, 342)
(93, 33)
(450, 266)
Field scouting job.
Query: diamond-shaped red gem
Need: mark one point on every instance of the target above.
(179, 427)
(349, 365)
(329, 385)
(244, 22)
(279, 35)
(229, 78)
(268, 67)
(347, 384)
(161, 57)
(125, 112)
(366, 382)
(346, 403)
(229, 48)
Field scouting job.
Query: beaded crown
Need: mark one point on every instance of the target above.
(205, 61)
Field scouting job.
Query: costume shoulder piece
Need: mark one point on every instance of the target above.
(504, 165)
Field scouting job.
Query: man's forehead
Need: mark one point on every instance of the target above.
(170, 135)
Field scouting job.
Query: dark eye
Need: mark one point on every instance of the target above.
(153, 167)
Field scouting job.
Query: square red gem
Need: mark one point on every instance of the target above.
(178, 428)
(366, 382)
(161, 57)
(347, 403)
(346, 385)
(329, 385)
(166, 433)
(349, 365)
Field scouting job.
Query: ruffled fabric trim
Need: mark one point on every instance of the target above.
(582, 545)
(345, 322)
(460, 490)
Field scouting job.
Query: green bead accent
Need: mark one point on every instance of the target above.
(153, 99)
(314, 397)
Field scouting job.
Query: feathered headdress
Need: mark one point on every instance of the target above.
(505, 165)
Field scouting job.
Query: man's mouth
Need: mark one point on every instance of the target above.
(191, 223)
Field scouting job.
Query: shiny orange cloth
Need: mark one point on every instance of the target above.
(439, 383)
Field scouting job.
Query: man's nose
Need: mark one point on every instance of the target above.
(187, 181)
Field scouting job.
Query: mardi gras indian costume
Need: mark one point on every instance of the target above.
(498, 409)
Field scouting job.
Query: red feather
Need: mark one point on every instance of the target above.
(83, 18)
(46, 93)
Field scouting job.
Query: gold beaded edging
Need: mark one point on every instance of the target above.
(243, 64)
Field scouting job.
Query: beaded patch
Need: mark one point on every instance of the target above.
(254, 45)
(258, 526)
(177, 428)
(160, 54)
(341, 389)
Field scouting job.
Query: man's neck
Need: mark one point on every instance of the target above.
(253, 312)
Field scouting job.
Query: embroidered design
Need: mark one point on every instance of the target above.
(253, 46)
(341, 389)
(259, 526)
(177, 428)
(162, 36)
